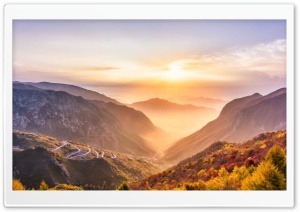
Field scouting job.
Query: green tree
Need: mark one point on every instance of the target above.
(124, 186)
(17, 185)
(266, 177)
(278, 158)
(43, 186)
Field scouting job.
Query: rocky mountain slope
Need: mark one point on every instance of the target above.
(59, 114)
(239, 120)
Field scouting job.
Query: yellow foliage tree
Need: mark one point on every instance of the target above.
(278, 158)
(235, 179)
(66, 187)
(43, 186)
(17, 185)
(266, 177)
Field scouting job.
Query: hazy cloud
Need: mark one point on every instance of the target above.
(93, 68)
(267, 57)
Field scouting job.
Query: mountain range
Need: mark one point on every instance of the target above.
(59, 114)
(239, 120)
(64, 134)
(217, 104)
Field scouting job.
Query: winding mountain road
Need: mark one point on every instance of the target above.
(112, 156)
(74, 153)
(79, 153)
(64, 144)
(82, 155)
(97, 154)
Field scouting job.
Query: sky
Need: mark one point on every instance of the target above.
(134, 60)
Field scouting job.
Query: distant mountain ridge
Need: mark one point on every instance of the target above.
(73, 90)
(163, 105)
(217, 104)
(178, 120)
(239, 120)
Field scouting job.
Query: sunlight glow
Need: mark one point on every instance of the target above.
(175, 72)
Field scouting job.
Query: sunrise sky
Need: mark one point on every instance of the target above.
(133, 60)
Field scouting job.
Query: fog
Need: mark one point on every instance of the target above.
(175, 125)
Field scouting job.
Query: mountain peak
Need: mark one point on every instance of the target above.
(256, 94)
(277, 92)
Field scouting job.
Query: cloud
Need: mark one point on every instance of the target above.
(93, 68)
(269, 58)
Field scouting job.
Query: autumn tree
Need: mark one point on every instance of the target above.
(235, 179)
(277, 157)
(65, 187)
(43, 186)
(124, 186)
(200, 185)
(17, 185)
(266, 177)
(220, 182)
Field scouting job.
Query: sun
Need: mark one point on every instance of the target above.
(174, 72)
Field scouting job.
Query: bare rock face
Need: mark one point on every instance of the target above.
(20, 121)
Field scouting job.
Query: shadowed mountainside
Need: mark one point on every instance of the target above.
(59, 114)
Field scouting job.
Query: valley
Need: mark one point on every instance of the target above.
(69, 142)
(178, 120)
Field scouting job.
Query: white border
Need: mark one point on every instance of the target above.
(147, 198)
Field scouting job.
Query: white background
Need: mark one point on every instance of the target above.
(123, 1)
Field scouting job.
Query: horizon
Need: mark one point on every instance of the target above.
(133, 60)
(170, 99)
